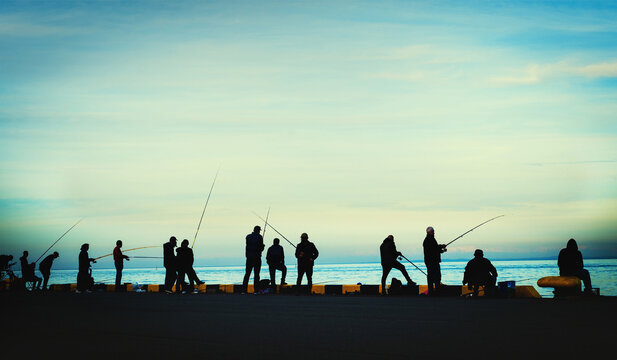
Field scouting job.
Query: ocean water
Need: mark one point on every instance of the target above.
(525, 272)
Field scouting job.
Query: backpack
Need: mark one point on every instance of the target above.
(396, 287)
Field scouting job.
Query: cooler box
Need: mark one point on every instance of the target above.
(506, 289)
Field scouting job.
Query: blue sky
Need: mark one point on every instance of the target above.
(353, 120)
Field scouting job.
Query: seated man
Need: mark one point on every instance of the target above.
(570, 263)
(480, 272)
(5, 266)
(27, 272)
(276, 261)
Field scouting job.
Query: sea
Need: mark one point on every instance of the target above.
(524, 272)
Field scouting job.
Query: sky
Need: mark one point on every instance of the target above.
(350, 120)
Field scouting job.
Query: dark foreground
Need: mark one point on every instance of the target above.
(156, 325)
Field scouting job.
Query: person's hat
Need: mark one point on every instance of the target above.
(430, 229)
(390, 237)
(478, 252)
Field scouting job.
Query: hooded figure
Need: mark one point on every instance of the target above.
(389, 261)
(84, 279)
(570, 263)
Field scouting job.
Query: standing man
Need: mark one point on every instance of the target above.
(432, 258)
(84, 280)
(254, 247)
(570, 262)
(389, 261)
(169, 261)
(119, 262)
(45, 267)
(27, 271)
(276, 261)
(306, 252)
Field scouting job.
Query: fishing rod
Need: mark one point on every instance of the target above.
(52, 245)
(137, 248)
(403, 256)
(205, 206)
(266, 224)
(272, 227)
(472, 229)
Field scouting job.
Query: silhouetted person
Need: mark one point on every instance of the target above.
(480, 272)
(432, 258)
(389, 261)
(27, 271)
(185, 267)
(276, 261)
(84, 279)
(119, 262)
(306, 252)
(570, 263)
(169, 261)
(45, 267)
(5, 265)
(254, 247)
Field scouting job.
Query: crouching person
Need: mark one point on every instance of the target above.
(480, 272)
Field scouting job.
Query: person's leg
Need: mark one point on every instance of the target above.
(309, 277)
(384, 276)
(80, 281)
(583, 274)
(400, 267)
(284, 271)
(119, 267)
(247, 274)
(429, 277)
(45, 279)
(180, 283)
(167, 279)
(300, 274)
(272, 269)
(257, 271)
(437, 276)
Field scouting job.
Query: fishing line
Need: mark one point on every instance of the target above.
(52, 245)
(137, 248)
(205, 206)
(272, 227)
(266, 224)
(472, 229)
(403, 256)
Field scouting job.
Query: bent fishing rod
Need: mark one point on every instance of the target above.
(52, 245)
(127, 250)
(472, 229)
(266, 224)
(272, 227)
(404, 257)
(205, 206)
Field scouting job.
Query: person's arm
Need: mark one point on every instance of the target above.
(316, 252)
(493, 270)
(580, 261)
(269, 255)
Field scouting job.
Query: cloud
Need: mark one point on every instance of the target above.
(19, 26)
(607, 69)
(537, 73)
